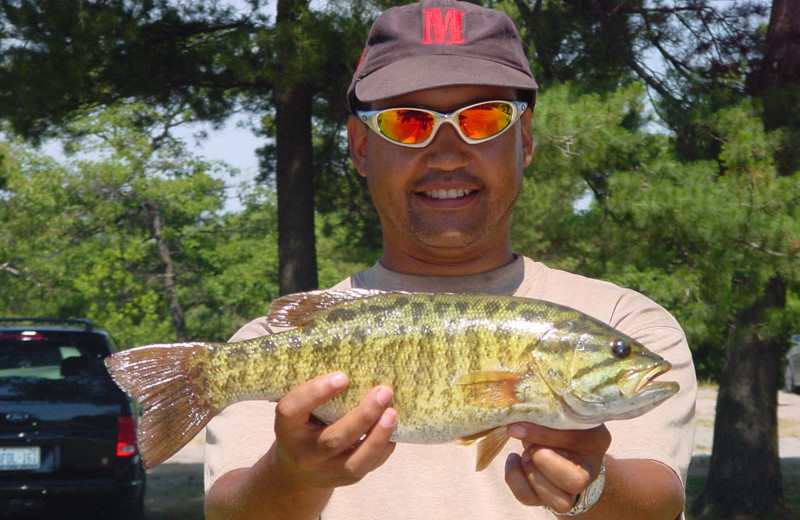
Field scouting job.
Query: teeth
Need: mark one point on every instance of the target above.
(447, 194)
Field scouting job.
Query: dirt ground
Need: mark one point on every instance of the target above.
(175, 488)
(788, 430)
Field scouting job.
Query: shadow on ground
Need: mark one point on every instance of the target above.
(790, 466)
(175, 492)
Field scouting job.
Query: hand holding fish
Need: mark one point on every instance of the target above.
(555, 465)
(308, 460)
(338, 454)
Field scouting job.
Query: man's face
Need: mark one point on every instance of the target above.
(451, 201)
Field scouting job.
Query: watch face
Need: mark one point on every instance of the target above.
(594, 491)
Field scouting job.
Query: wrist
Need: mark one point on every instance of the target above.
(274, 488)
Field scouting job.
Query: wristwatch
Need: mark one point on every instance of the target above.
(589, 496)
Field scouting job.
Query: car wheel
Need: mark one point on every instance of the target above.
(788, 379)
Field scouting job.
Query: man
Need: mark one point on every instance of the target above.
(444, 187)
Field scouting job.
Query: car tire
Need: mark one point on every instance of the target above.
(789, 384)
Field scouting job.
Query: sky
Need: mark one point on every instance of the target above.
(232, 143)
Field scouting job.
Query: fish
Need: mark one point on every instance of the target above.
(462, 367)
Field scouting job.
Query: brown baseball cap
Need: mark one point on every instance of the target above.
(437, 43)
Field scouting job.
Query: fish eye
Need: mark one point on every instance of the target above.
(620, 349)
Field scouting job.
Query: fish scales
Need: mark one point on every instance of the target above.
(417, 353)
(459, 365)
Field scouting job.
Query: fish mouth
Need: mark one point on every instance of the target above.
(634, 382)
(638, 393)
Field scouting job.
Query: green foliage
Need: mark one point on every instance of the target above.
(581, 41)
(82, 237)
(702, 238)
(340, 254)
(698, 219)
(581, 142)
(195, 53)
(79, 235)
(241, 274)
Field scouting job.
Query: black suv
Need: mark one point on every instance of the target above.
(67, 432)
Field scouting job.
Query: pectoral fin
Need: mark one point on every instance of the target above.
(490, 442)
(489, 389)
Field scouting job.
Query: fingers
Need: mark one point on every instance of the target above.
(340, 453)
(556, 465)
(532, 487)
(374, 449)
(360, 421)
(596, 439)
(296, 406)
(517, 481)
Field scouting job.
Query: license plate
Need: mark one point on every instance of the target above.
(15, 459)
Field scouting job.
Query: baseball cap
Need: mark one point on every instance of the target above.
(437, 43)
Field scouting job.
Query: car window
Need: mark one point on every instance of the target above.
(55, 367)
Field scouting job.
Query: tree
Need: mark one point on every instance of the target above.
(130, 233)
(704, 238)
(712, 58)
(308, 68)
(213, 59)
(749, 479)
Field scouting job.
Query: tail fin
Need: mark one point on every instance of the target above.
(169, 381)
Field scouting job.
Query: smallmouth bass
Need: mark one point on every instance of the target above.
(462, 367)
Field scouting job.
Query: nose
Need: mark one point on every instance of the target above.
(446, 151)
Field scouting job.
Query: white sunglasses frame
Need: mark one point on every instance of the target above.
(370, 118)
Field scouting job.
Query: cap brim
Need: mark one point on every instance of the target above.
(425, 72)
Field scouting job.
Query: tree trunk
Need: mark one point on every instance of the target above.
(297, 255)
(170, 284)
(777, 83)
(745, 473)
(781, 59)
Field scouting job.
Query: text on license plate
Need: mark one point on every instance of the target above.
(13, 459)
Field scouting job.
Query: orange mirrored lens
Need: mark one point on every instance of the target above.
(486, 120)
(406, 126)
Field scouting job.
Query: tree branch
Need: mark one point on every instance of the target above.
(6, 266)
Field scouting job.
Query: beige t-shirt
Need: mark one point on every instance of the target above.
(433, 482)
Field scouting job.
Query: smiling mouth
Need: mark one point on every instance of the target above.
(447, 194)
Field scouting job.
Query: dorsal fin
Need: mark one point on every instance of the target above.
(298, 309)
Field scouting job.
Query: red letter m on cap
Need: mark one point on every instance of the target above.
(440, 28)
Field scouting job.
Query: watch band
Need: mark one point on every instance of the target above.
(588, 497)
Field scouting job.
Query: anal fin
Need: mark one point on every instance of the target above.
(490, 443)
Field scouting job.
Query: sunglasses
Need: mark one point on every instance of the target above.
(416, 127)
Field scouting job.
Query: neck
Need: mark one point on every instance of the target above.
(446, 265)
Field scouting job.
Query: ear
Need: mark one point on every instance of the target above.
(526, 122)
(357, 140)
